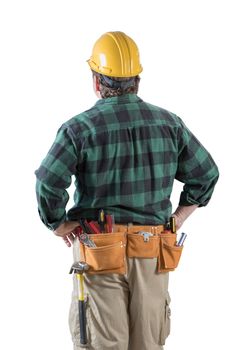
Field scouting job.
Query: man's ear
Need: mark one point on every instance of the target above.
(96, 86)
(96, 83)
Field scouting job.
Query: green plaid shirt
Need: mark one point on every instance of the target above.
(124, 154)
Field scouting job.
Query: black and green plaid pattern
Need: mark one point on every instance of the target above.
(125, 155)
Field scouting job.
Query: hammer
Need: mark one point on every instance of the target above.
(79, 268)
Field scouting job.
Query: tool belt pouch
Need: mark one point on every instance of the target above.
(169, 254)
(108, 256)
(139, 247)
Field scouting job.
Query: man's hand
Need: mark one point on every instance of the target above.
(66, 231)
(182, 213)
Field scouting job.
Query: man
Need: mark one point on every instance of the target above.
(125, 155)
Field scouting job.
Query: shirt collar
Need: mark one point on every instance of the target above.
(127, 98)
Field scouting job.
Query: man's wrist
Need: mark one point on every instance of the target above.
(66, 228)
(183, 212)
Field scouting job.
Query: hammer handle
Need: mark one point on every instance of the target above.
(82, 309)
(82, 318)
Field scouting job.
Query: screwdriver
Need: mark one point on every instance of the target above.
(110, 223)
(173, 224)
(101, 220)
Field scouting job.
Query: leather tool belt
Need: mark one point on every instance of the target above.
(131, 241)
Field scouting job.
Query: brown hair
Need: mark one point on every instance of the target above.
(110, 86)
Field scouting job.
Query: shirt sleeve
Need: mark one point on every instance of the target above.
(54, 177)
(196, 169)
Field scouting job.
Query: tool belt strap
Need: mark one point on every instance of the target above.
(131, 228)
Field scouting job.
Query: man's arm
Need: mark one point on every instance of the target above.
(53, 178)
(199, 173)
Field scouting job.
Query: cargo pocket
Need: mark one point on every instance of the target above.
(108, 256)
(138, 247)
(170, 254)
(166, 321)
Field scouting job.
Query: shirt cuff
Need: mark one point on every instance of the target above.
(54, 224)
(186, 200)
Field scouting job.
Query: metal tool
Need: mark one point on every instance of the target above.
(182, 239)
(84, 238)
(79, 268)
(146, 235)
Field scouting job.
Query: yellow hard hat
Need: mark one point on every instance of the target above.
(115, 54)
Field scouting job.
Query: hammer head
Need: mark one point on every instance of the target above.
(79, 267)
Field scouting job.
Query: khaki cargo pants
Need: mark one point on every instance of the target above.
(123, 312)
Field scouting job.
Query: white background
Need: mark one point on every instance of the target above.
(195, 59)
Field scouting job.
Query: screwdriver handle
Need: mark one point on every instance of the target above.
(173, 224)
